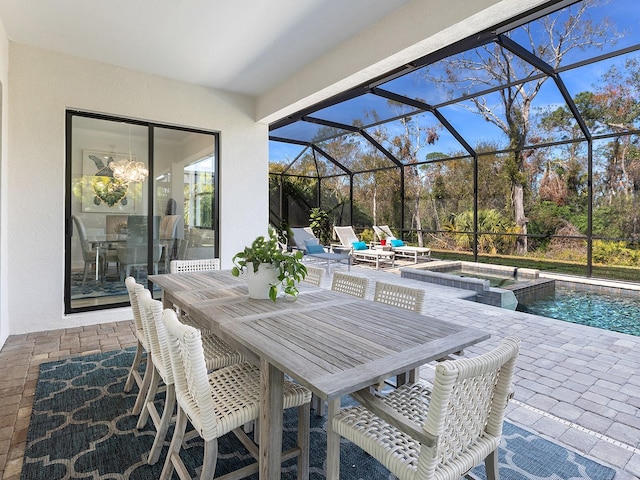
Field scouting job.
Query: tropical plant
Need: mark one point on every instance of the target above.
(320, 223)
(289, 266)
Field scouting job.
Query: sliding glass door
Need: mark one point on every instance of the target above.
(139, 195)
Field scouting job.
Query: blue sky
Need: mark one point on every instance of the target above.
(625, 14)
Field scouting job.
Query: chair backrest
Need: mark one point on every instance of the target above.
(151, 315)
(346, 235)
(132, 288)
(399, 296)
(379, 229)
(314, 275)
(204, 265)
(299, 235)
(468, 401)
(87, 253)
(350, 284)
(190, 374)
(171, 226)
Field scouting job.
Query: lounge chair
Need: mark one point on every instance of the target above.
(304, 239)
(400, 248)
(359, 250)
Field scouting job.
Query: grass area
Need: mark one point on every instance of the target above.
(609, 272)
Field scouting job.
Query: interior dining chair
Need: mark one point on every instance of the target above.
(217, 355)
(350, 284)
(221, 402)
(441, 431)
(143, 353)
(314, 275)
(201, 265)
(89, 254)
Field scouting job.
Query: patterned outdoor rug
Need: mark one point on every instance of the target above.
(81, 428)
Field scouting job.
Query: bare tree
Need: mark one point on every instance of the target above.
(550, 38)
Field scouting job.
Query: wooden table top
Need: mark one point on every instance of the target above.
(332, 343)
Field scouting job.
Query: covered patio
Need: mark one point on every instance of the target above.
(575, 385)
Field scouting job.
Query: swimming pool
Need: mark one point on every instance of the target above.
(615, 313)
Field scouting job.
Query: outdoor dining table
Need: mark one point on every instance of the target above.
(332, 343)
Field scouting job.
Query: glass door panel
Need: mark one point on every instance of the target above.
(108, 164)
(185, 164)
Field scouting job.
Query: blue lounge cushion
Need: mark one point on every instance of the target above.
(359, 245)
(311, 241)
(314, 248)
(397, 243)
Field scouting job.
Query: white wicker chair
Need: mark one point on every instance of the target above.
(441, 432)
(350, 284)
(402, 297)
(314, 275)
(204, 265)
(399, 296)
(220, 402)
(142, 348)
(217, 355)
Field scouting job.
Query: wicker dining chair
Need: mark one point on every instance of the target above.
(314, 275)
(350, 284)
(201, 265)
(142, 350)
(217, 355)
(399, 296)
(220, 402)
(439, 431)
(402, 297)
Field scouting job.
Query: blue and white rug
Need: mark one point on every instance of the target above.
(81, 428)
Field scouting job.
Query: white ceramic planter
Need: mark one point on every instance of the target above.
(259, 283)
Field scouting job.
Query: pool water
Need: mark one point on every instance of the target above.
(615, 313)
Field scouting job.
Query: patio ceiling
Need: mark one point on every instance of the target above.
(416, 91)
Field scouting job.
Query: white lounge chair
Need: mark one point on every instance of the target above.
(406, 251)
(304, 239)
(359, 250)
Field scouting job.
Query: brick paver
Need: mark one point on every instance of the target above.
(571, 380)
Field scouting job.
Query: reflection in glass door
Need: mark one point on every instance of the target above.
(185, 171)
(118, 172)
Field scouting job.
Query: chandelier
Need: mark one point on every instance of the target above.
(128, 171)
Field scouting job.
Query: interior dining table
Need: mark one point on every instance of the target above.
(332, 343)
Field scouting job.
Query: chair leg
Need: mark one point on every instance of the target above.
(173, 455)
(133, 373)
(148, 400)
(84, 275)
(491, 466)
(304, 412)
(165, 421)
(210, 459)
(146, 380)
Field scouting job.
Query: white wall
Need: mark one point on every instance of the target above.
(4, 180)
(42, 85)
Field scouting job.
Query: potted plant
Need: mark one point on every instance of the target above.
(269, 269)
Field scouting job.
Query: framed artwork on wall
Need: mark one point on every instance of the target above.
(101, 192)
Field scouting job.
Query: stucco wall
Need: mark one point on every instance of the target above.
(4, 69)
(42, 84)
